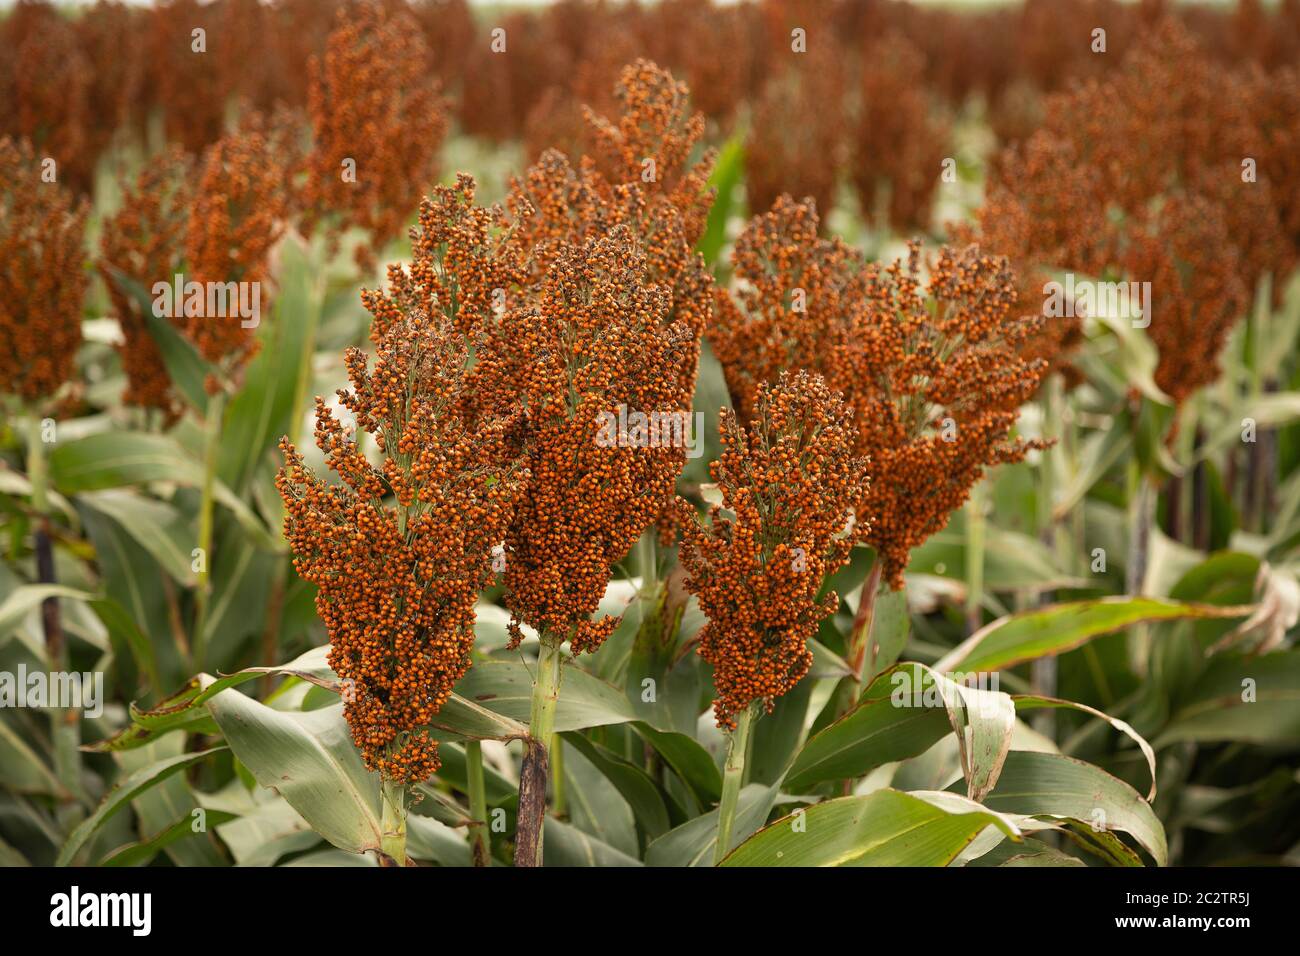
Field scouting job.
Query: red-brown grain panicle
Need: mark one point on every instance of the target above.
(142, 244)
(1183, 249)
(789, 486)
(590, 346)
(932, 369)
(42, 277)
(378, 123)
(237, 216)
(899, 144)
(45, 82)
(646, 178)
(400, 551)
(779, 159)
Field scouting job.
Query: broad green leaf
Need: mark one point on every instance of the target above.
(22, 768)
(185, 366)
(689, 760)
(124, 793)
(1032, 701)
(154, 525)
(118, 458)
(1051, 630)
(310, 760)
(883, 828)
(635, 785)
(1060, 787)
(24, 599)
(142, 852)
(879, 730)
(566, 845)
(1243, 700)
(1101, 451)
(506, 687)
(458, 719)
(278, 376)
(1012, 561)
(691, 844)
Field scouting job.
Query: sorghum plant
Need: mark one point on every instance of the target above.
(42, 284)
(790, 484)
(377, 124)
(400, 551)
(143, 242)
(898, 144)
(932, 371)
(42, 280)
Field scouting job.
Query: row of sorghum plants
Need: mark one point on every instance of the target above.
(867, 400)
(873, 84)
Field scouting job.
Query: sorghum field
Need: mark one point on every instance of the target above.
(752, 434)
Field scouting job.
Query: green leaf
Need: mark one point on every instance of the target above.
(1101, 451)
(890, 626)
(458, 719)
(263, 408)
(691, 844)
(883, 828)
(635, 785)
(154, 525)
(1060, 787)
(689, 760)
(1031, 702)
(24, 599)
(566, 845)
(23, 769)
(1241, 699)
(185, 366)
(506, 687)
(309, 759)
(875, 732)
(115, 459)
(124, 793)
(139, 853)
(1056, 628)
(725, 179)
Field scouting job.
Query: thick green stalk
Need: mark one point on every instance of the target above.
(860, 638)
(1043, 671)
(480, 838)
(975, 528)
(66, 729)
(648, 562)
(1141, 515)
(733, 778)
(203, 591)
(535, 771)
(392, 838)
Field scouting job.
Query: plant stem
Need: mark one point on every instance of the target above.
(1141, 515)
(392, 840)
(975, 528)
(1042, 674)
(648, 562)
(65, 722)
(733, 778)
(480, 839)
(860, 638)
(535, 771)
(203, 591)
(557, 778)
